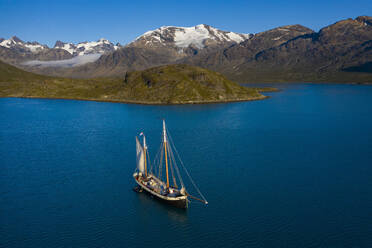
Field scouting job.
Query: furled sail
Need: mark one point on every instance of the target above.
(140, 157)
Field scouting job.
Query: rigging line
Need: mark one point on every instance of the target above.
(175, 165)
(171, 166)
(173, 177)
(156, 159)
(148, 160)
(161, 161)
(192, 181)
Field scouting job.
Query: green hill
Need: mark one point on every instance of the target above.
(13, 74)
(172, 84)
(15, 82)
(184, 84)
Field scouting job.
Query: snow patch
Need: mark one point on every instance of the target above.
(91, 47)
(6, 43)
(69, 47)
(283, 29)
(157, 38)
(12, 43)
(9, 43)
(76, 61)
(34, 48)
(235, 37)
(185, 36)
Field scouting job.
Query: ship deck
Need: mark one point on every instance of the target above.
(156, 187)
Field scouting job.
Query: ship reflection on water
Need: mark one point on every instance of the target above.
(147, 201)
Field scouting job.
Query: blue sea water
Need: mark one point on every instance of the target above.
(294, 170)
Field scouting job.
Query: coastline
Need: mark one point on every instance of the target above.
(263, 97)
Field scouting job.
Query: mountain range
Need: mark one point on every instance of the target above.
(16, 51)
(341, 52)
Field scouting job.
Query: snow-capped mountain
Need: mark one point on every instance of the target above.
(197, 37)
(17, 52)
(16, 43)
(101, 46)
(164, 45)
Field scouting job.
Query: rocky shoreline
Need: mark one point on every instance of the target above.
(142, 102)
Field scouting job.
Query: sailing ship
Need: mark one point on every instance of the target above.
(150, 179)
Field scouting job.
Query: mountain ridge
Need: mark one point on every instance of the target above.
(323, 56)
(340, 52)
(16, 51)
(206, 36)
(199, 36)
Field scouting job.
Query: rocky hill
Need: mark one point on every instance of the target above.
(174, 84)
(184, 84)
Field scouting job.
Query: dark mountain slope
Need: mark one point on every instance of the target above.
(246, 51)
(322, 56)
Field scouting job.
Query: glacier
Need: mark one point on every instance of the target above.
(75, 61)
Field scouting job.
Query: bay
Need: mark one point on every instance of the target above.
(294, 170)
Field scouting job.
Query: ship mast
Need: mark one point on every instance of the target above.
(165, 151)
(145, 151)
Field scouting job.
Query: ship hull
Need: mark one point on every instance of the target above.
(179, 202)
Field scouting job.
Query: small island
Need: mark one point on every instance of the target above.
(169, 84)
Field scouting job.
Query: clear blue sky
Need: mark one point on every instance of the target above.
(122, 21)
